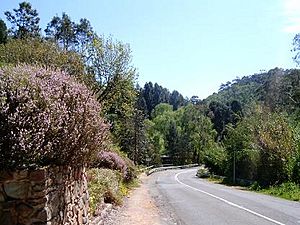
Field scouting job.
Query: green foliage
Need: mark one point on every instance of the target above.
(163, 116)
(134, 141)
(156, 143)
(176, 100)
(203, 172)
(215, 158)
(62, 30)
(174, 144)
(274, 137)
(104, 185)
(262, 132)
(240, 141)
(296, 169)
(278, 89)
(43, 53)
(68, 34)
(289, 190)
(109, 64)
(264, 145)
(3, 32)
(107, 186)
(222, 115)
(47, 118)
(186, 136)
(24, 20)
(153, 95)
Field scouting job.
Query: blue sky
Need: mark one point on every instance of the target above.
(191, 46)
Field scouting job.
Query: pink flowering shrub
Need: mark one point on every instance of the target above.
(46, 117)
(112, 160)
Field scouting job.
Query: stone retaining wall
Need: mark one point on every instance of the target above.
(52, 196)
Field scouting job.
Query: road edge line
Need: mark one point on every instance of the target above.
(226, 201)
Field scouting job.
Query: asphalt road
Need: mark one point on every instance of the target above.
(192, 201)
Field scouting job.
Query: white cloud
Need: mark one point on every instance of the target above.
(292, 13)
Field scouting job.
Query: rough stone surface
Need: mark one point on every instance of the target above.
(53, 195)
(17, 189)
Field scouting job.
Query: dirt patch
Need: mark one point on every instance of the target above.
(140, 208)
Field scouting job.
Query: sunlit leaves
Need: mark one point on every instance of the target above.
(43, 53)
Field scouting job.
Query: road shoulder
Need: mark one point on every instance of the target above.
(142, 207)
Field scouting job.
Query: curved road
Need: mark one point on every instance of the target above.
(196, 201)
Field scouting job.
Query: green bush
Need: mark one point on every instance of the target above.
(215, 159)
(104, 185)
(296, 170)
(264, 148)
(131, 170)
(35, 51)
(287, 190)
(203, 172)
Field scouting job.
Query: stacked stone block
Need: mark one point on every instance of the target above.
(52, 196)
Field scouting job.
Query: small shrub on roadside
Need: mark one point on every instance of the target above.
(287, 190)
(203, 172)
(296, 170)
(131, 172)
(114, 161)
(47, 118)
(111, 160)
(104, 186)
(255, 186)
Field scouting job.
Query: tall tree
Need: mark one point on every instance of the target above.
(70, 35)
(156, 142)
(176, 100)
(172, 141)
(84, 36)
(154, 95)
(141, 102)
(296, 49)
(24, 20)
(3, 32)
(109, 62)
(134, 143)
(62, 30)
(220, 116)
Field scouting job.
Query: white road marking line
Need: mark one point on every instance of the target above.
(226, 201)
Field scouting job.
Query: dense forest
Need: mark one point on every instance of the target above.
(250, 129)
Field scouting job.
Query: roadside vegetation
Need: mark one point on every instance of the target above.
(107, 186)
(286, 190)
(289, 190)
(72, 86)
(67, 98)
